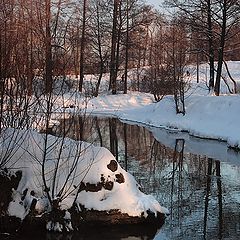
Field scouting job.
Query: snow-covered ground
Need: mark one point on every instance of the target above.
(207, 116)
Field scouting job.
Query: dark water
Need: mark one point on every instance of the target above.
(96, 233)
(197, 180)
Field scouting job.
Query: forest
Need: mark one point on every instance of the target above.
(44, 40)
(63, 59)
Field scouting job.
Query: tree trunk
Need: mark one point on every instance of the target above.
(83, 43)
(76, 54)
(221, 49)
(100, 54)
(1, 84)
(48, 50)
(118, 43)
(30, 61)
(126, 52)
(113, 64)
(230, 76)
(210, 45)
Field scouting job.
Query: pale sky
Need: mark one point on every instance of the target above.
(154, 2)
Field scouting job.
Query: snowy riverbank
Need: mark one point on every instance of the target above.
(207, 116)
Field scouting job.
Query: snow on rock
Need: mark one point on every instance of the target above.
(125, 196)
(16, 207)
(76, 167)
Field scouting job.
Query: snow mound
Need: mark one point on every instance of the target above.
(74, 171)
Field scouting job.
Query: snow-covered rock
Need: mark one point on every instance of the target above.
(76, 174)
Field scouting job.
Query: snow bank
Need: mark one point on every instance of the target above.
(68, 165)
(206, 117)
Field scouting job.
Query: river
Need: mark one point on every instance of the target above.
(197, 180)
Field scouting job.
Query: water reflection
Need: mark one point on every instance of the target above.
(96, 233)
(122, 233)
(198, 180)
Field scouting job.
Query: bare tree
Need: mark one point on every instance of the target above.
(227, 18)
(100, 28)
(215, 21)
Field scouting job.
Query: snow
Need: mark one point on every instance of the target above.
(211, 148)
(90, 166)
(16, 207)
(207, 116)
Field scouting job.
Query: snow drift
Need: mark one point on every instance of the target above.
(74, 173)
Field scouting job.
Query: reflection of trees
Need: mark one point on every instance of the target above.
(220, 199)
(98, 131)
(177, 172)
(125, 146)
(83, 127)
(210, 175)
(73, 127)
(113, 137)
(190, 185)
(103, 233)
(185, 197)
